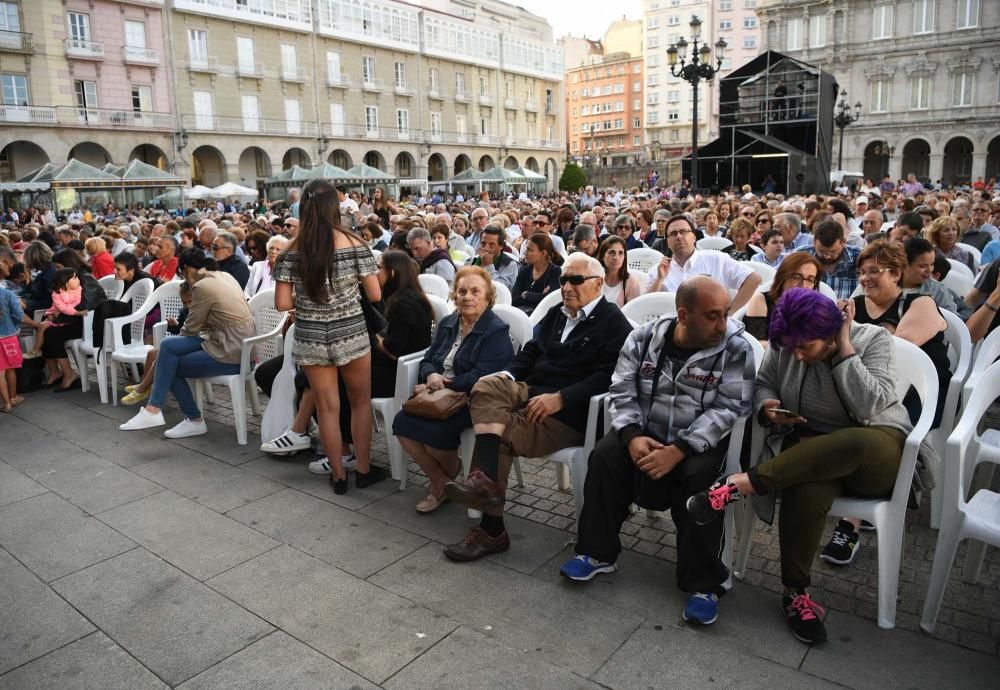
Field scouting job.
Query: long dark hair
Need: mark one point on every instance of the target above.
(403, 275)
(68, 258)
(61, 277)
(319, 214)
(603, 249)
(544, 244)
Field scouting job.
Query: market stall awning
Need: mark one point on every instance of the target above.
(198, 192)
(328, 171)
(531, 175)
(469, 175)
(75, 173)
(503, 175)
(24, 186)
(368, 174)
(139, 174)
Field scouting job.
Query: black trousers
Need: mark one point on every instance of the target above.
(614, 482)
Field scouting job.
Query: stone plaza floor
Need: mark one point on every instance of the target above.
(131, 561)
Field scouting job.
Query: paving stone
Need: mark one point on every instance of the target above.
(34, 620)
(356, 543)
(54, 538)
(16, 486)
(496, 666)
(295, 473)
(193, 538)
(92, 662)
(369, 630)
(211, 483)
(220, 443)
(277, 661)
(173, 624)
(553, 623)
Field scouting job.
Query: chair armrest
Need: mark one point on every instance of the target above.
(594, 412)
(246, 347)
(118, 322)
(159, 333)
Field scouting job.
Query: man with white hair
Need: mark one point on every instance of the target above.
(293, 202)
(587, 199)
(540, 403)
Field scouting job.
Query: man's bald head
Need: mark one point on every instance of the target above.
(694, 290)
(702, 313)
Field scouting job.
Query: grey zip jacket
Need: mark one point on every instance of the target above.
(693, 408)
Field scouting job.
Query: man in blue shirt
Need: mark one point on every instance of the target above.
(790, 226)
(838, 259)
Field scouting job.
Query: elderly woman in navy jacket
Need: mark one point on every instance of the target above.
(469, 344)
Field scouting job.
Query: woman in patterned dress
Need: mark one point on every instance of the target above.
(319, 276)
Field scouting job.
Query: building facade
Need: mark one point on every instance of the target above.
(230, 90)
(927, 73)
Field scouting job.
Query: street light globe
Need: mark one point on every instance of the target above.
(695, 26)
(672, 55)
(720, 48)
(705, 52)
(681, 44)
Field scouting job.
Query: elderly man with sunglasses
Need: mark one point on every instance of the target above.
(539, 404)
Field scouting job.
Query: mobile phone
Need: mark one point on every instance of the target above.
(784, 413)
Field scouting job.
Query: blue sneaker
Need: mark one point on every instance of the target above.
(582, 568)
(702, 608)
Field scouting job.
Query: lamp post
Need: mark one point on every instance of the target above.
(843, 119)
(693, 69)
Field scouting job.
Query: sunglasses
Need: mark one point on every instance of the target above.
(575, 280)
(623, 227)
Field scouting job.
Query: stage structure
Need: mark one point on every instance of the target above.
(775, 118)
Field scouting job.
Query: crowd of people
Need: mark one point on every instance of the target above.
(345, 267)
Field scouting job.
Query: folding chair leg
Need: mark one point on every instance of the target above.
(517, 472)
(944, 557)
(254, 398)
(102, 376)
(114, 383)
(81, 369)
(982, 479)
(239, 411)
(563, 474)
(745, 531)
(890, 544)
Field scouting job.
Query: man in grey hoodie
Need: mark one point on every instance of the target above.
(681, 384)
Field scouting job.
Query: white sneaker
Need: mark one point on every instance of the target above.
(187, 428)
(350, 462)
(289, 442)
(322, 466)
(143, 420)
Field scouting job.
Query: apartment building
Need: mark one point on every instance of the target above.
(604, 107)
(239, 90)
(926, 73)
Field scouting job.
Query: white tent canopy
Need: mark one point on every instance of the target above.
(198, 192)
(232, 189)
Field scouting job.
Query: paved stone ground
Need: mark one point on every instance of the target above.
(131, 561)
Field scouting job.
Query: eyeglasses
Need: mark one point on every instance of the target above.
(869, 222)
(765, 221)
(871, 273)
(747, 215)
(674, 234)
(623, 227)
(575, 280)
(217, 247)
(801, 279)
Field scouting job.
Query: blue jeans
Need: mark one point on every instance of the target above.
(181, 358)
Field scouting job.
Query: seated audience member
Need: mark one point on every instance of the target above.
(539, 275)
(37, 294)
(136, 393)
(838, 259)
(687, 261)
(774, 249)
(585, 240)
(209, 345)
(223, 248)
(164, 267)
(469, 343)
(984, 298)
(625, 228)
(919, 277)
(433, 260)
(372, 234)
(711, 227)
(262, 272)
(669, 439)
(790, 226)
(740, 232)
(798, 269)
(620, 285)
(101, 262)
(944, 235)
(846, 434)
(976, 229)
(500, 266)
(909, 224)
(539, 404)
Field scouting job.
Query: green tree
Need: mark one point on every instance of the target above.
(573, 178)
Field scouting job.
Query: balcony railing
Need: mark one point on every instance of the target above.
(142, 56)
(285, 14)
(486, 99)
(29, 114)
(293, 74)
(15, 41)
(88, 50)
(462, 96)
(86, 117)
(208, 64)
(487, 140)
(510, 103)
(218, 123)
(403, 90)
(376, 85)
(531, 106)
(437, 94)
(338, 81)
(253, 71)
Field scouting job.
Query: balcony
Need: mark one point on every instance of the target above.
(293, 15)
(134, 55)
(29, 114)
(486, 99)
(437, 94)
(487, 140)
(462, 97)
(338, 81)
(85, 50)
(115, 119)
(403, 90)
(510, 104)
(16, 42)
(531, 106)
(435, 138)
(251, 71)
(208, 64)
(552, 109)
(293, 74)
(237, 125)
(373, 85)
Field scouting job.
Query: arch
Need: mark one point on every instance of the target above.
(511, 163)
(151, 154)
(295, 156)
(487, 163)
(18, 158)
(462, 163)
(90, 153)
(993, 158)
(552, 173)
(255, 166)
(376, 160)
(208, 166)
(917, 158)
(340, 158)
(436, 167)
(405, 166)
(531, 164)
(957, 167)
(876, 163)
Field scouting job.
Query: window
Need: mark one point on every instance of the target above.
(198, 46)
(85, 93)
(652, 98)
(435, 84)
(817, 31)
(673, 20)
(460, 83)
(651, 80)
(794, 41)
(585, 110)
(749, 4)
(880, 96)
(289, 60)
(636, 104)
(484, 86)
(619, 107)
(962, 91)
(203, 111)
(653, 23)
(333, 66)
(652, 117)
(636, 86)
(9, 20)
(584, 92)
(673, 115)
(403, 122)
(920, 94)
(368, 69)
(749, 41)
(923, 16)
(749, 22)
(135, 34)
(585, 127)
(882, 21)
(636, 68)
(460, 126)
(673, 96)
(725, 5)
(399, 74)
(337, 119)
(251, 113)
(244, 53)
(606, 91)
(675, 135)
(510, 129)
(636, 122)
(293, 116)
(14, 89)
(79, 27)
(726, 25)
(619, 88)
(637, 140)
(371, 120)
(142, 99)
(619, 124)
(484, 126)
(653, 61)
(607, 124)
(967, 15)
(436, 124)
(653, 42)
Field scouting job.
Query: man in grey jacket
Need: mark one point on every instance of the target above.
(681, 384)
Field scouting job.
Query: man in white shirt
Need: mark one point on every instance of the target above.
(348, 207)
(687, 262)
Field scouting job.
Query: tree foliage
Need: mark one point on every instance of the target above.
(573, 178)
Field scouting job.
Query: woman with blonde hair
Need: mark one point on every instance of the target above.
(101, 262)
(945, 234)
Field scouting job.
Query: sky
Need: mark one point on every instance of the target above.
(589, 18)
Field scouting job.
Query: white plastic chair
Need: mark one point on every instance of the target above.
(642, 259)
(517, 321)
(958, 280)
(168, 298)
(913, 368)
(434, 285)
(542, 308)
(460, 257)
(827, 291)
(407, 370)
(439, 309)
(957, 265)
(976, 254)
(976, 519)
(650, 307)
(713, 243)
(987, 352)
(112, 287)
(268, 344)
(765, 272)
(503, 294)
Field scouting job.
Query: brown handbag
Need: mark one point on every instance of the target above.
(440, 404)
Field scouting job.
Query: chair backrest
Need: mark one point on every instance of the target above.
(957, 265)
(503, 294)
(460, 257)
(976, 254)
(517, 320)
(439, 308)
(963, 445)
(650, 307)
(765, 272)
(265, 319)
(112, 287)
(959, 362)
(140, 291)
(960, 282)
(987, 353)
(434, 285)
(913, 369)
(755, 249)
(542, 308)
(713, 243)
(642, 259)
(827, 291)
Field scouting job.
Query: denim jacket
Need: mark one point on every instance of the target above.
(10, 313)
(486, 350)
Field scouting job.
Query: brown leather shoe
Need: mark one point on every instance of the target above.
(477, 543)
(476, 491)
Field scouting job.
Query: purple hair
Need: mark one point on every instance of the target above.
(802, 315)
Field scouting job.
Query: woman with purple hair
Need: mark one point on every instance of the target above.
(828, 385)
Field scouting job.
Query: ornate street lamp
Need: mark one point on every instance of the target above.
(693, 69)
(843, 119)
